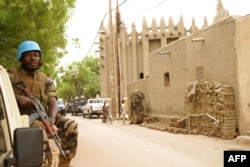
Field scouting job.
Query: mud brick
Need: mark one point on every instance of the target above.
(169, 129)
(230, 115)
(228, 108)
(227, 112)
(229, 118)
(228, 124)
(175, 130)
(226, 93)
(227, 132)
(229, 98)
(219, 105)
(225, 128)
(227, 137)
(229, 103)
(227, 87)
(222, 100)
(183, 131)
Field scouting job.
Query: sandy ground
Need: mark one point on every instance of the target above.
(118, 145)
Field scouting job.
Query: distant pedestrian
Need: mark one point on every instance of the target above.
(104, 112)
(123, 112)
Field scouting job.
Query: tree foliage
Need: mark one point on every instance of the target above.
(80, 79)
(44, 21)
(40, 20)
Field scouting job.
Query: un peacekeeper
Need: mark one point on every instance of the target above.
(42, 87)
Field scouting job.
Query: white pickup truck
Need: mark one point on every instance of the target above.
(93, 107)
(20, 145)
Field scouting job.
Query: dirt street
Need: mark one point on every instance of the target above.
(118, 145)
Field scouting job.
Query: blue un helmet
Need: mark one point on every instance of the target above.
(27, 46)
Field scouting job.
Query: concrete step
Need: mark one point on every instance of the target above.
(161, 117)
(244, 139)
(247, 133)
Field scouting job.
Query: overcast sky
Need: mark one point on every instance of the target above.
(88, 15)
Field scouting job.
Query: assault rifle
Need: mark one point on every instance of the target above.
(41, 113)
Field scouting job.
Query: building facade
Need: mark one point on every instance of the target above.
(164, 60)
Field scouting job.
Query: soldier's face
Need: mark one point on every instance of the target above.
(30, 60)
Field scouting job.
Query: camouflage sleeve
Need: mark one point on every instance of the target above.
(50, 88)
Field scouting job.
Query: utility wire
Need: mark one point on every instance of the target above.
(148, 10)
(98, 30)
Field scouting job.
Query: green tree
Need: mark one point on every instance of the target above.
(65, 85)
(40, 20)
(81, 78)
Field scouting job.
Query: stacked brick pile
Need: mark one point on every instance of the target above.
(210, 109)
(227, 113)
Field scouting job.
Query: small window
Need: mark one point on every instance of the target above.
(166, 79)
(141, 75)
(199, 73)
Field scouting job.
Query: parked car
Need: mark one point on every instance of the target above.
(77, 104)
(93, 107)
(61, 107)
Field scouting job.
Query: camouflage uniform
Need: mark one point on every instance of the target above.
(42, 87)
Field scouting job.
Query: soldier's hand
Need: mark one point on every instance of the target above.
(24, 102)
(53, 126)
